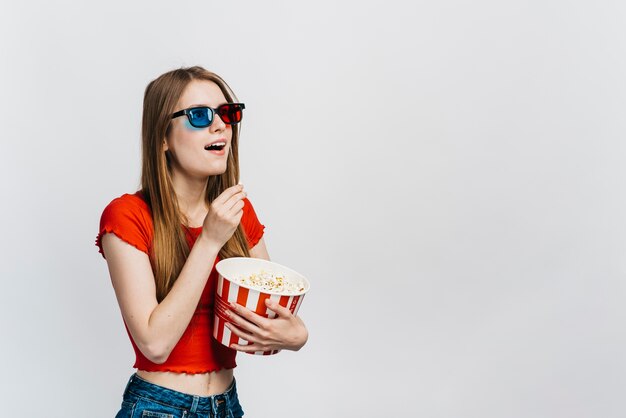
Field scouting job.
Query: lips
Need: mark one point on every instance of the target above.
(218, 145)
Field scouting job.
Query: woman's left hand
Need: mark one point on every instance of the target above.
(285, 331)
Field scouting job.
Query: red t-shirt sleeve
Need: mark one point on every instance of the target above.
(251, 225)
(127, 219)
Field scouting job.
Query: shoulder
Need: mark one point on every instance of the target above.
(131, 202)
(130, 206)
(253, 228)
(129, 217)
(249, 213)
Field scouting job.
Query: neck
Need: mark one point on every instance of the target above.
(190, 193)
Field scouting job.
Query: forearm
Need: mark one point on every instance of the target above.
(170, 318)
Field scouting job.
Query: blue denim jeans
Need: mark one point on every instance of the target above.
(145, 399)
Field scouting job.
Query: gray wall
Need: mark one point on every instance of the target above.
(448, 174)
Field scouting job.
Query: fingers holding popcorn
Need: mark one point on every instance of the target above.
(286, 331)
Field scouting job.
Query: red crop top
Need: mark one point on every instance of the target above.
(129, 218)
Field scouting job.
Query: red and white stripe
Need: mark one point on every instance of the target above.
(251, 299)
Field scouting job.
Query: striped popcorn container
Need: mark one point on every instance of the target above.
(231, 288)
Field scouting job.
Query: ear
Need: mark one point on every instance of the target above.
(165, 147)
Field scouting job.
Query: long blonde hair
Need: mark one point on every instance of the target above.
(170, 248)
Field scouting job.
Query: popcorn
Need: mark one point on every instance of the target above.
(268, 282)
(250, 282)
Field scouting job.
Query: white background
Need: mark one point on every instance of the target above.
(449, 175)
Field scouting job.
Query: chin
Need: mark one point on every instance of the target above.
(216, 171)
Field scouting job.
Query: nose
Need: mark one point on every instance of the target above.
(218, 124)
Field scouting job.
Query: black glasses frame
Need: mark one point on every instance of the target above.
(214, 111)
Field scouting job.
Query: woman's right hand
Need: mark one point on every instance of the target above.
(224, 215)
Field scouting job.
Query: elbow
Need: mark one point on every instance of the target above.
(158, 359)
(302, 338)
(158, 354)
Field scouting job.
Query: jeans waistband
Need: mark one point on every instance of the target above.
(193, 403)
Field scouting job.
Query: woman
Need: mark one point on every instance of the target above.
(161, 244)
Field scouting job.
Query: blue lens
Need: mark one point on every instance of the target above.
(200, 117)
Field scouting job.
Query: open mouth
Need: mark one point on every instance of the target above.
(216, 146)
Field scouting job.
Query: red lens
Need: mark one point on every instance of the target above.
(230, 113)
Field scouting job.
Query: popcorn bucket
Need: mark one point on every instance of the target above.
(241, 281)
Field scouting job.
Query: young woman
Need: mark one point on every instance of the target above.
(161, 245)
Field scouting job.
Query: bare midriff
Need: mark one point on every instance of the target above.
(201, 384)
